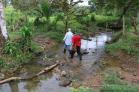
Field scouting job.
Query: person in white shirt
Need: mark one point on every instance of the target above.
(68, 40)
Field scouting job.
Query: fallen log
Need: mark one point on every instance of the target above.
(47, 69)
(10, 79)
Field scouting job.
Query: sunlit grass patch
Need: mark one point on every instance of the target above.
(81, 89)
(119, 88)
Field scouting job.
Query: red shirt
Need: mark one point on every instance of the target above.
(76, 40)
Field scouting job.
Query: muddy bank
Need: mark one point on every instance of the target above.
(124, 65)
(43, 43)
(77, 72)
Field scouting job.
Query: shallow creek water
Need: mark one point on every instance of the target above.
(48, 82)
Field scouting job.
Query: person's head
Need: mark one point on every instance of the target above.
(69, 29)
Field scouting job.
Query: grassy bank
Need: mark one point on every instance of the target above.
(127, 44)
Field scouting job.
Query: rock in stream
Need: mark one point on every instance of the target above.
(64, 79)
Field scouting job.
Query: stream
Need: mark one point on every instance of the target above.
(48, 82)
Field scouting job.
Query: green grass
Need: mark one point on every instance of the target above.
(125, 44)
(15, 35)
(58, 37)
(113, 83)
(119, 88)
(138, 27)
(81, 89)
(36, 48)
(113, 77)
(102, 19)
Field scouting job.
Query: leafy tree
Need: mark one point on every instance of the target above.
(120, 7)
(24, 4)
(44, 10)
(57, 17)
(67, 7)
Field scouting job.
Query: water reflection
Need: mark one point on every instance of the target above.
(96, 42)
(95, 47)
(5, 88)
(48, 82)
(36, 85)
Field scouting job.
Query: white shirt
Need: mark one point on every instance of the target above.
(68, 38)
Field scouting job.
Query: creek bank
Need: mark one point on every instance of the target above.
(126, 66)
(44, 45)
(45, 70)
(76, 72)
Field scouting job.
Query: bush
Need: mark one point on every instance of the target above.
(60, 27)
(11, 48)
(14, 50)
(19, 50)
(12, 16)
(2, 63)
(102, 20)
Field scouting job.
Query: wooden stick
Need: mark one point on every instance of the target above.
(10, 79)
(47, 69)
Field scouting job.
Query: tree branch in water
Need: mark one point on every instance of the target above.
(45, 70)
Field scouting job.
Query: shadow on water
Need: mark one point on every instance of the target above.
(48, 82)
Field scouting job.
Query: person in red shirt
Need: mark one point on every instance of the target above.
(76, 45)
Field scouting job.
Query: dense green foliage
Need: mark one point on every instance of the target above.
(18, 51)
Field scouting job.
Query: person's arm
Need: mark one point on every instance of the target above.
(73, 42)
(65, 37)
(80, 40)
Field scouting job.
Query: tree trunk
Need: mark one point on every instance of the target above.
(1, 39)
(123, 25)
(66, 22)
(134, 24)
(66, 25)
(125, 9)
(3, 29)
(138, 17)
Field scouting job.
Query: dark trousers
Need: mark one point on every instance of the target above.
(78, 52)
